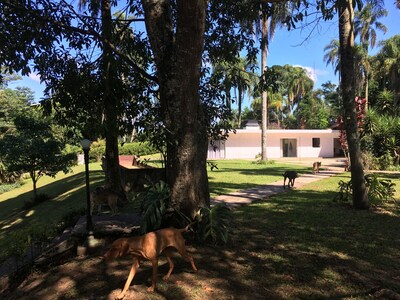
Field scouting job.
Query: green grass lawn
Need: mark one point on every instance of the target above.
(294, 245)
(234, 175)
(69, 195)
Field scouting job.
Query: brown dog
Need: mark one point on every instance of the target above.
(315, 167)
(150, 246)
(103, 196)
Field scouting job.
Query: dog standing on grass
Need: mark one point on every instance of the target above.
(104, 196)
(291, 176)
(150, 246)
(315, 167)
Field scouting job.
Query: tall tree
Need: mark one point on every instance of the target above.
(269, 21)
(348, 71)
(388, 65)
(331, 55)
(366, 21)
(177, 44)
(244, 80)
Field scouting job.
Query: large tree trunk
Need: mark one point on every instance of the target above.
(113, 177)
(264, 96)
(348, 85)
(178, 62)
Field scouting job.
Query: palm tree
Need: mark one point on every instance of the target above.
(243, 80)
(348, 79)
(298, 84)
(268, 26)
(332, 55)
(221, 70)
(238, 76)
(388, 62)
(365, 23)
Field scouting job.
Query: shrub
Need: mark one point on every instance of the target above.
(9, 187)
(370, 162)
(7, 176)
(259, 161)
(378, 189)
(138, 149)
(97, 150)
(213, 223)
(154, 204)
(70, 219)
(36, 200)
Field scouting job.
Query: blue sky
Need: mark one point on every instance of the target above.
(295, 47)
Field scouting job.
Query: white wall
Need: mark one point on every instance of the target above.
(243, 144)
(247, 143)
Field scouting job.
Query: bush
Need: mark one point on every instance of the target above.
(154, 205)
(379, 190)
(138, 149)
(213, 223)
(9, 187)
(370, 162)
(7, 176)
(97, 150)
(36, 200)
(70, 219)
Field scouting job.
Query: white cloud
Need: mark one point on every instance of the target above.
(34, 77)
(311, 72)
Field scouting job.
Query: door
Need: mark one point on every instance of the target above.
(289, 147)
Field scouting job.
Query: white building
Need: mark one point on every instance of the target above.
(299, 143)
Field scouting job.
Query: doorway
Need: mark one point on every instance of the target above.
(289, 147)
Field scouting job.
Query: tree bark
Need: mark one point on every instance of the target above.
(178, 61)
(113, 175)
(348, 84)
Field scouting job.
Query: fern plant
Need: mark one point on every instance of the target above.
(155, 202)
(213, 223)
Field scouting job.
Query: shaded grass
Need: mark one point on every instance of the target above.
(67, 193)
(306, 246)
(295, 245)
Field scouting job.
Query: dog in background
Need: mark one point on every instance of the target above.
(103, 196)
(150, 246)
(291, 176)
(315, 167)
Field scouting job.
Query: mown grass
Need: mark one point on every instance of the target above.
(68, 196)
(294, 245)
(234, 175)
(67, 193)
(305, 246)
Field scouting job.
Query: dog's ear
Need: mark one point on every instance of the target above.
(119, 248)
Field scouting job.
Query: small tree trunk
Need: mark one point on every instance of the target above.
(264, 96)
(34, 182)
(348, 84)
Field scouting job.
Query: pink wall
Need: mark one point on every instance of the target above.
(246, 143)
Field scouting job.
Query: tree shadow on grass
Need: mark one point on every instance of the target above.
(297, 245)
(14, 217)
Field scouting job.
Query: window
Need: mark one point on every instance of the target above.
(316, 142)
